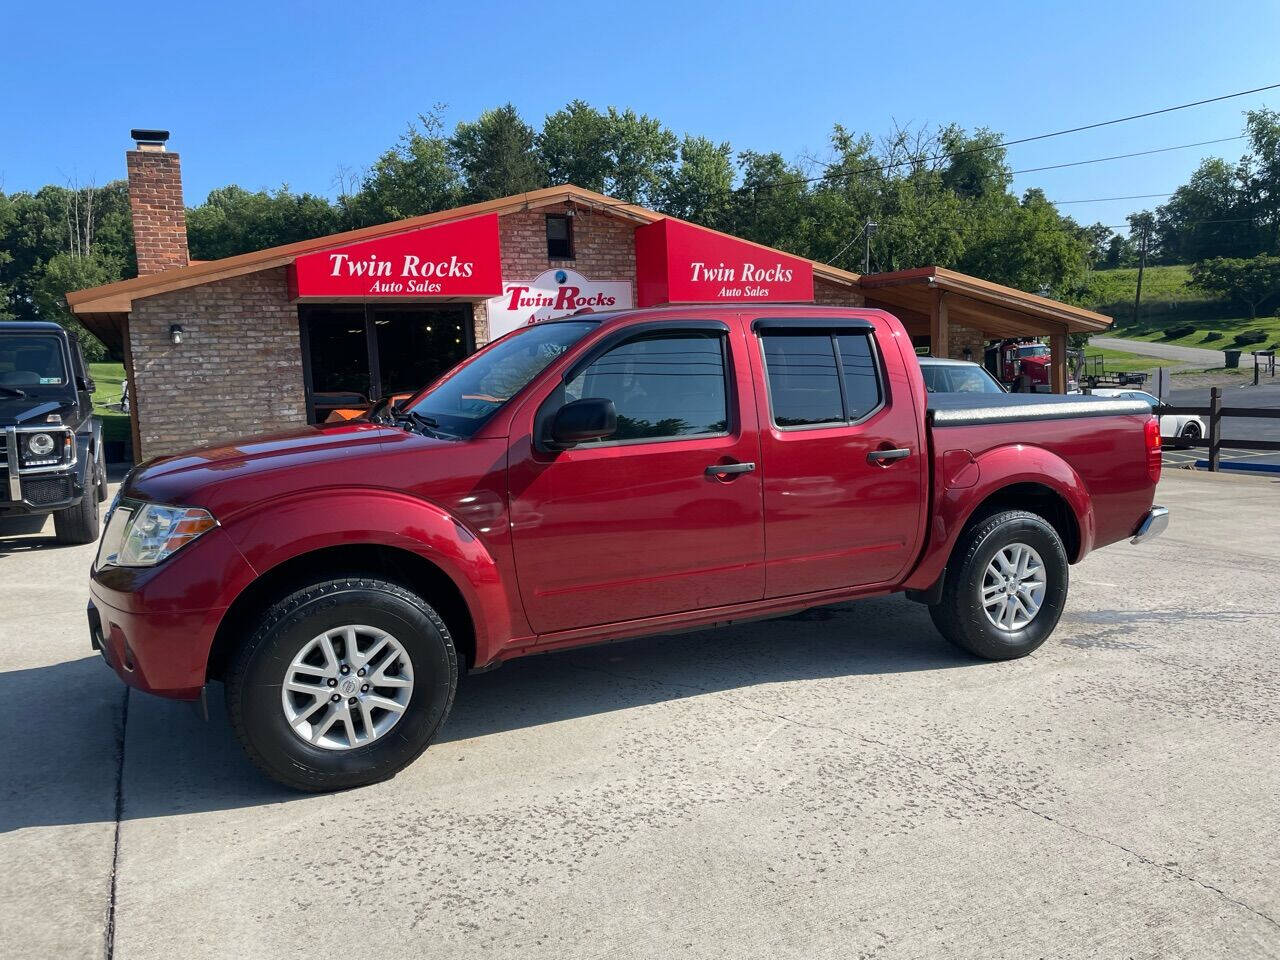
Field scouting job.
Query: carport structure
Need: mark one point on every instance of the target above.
(955, 311)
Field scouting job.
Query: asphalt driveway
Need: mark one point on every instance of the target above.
(1198, 356)
(839, 783)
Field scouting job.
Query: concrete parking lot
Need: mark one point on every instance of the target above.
(840, 783)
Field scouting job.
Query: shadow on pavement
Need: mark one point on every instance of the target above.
(62, 755)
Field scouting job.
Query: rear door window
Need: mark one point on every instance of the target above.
(861, 378)
(821, 378)
(804, 384)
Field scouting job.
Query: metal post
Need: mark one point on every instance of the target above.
(1142, 265)
(1215, 427)
(1257, 370)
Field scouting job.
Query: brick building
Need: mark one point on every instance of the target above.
(280, 337)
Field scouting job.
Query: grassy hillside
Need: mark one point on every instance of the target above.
(1160, 285)
(106, 399)
(1171, 305)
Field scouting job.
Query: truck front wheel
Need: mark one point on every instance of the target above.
(344, 683)
(79, 523)
(1005, 586)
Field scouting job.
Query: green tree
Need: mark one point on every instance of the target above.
(575, 147)
(700, 188)
(772, 204)
(1252, 281)
(60, 239)
(68, 271)
(232, 220)
(414, 177)
(642, 153)
(974, 164)
(496, 155)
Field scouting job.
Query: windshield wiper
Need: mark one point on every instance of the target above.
(428, 425)
(14, 391)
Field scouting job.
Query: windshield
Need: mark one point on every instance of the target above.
(30, 361)
(944, 378)
(462, 402)
(1035, 350)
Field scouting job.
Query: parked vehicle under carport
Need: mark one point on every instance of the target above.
(51, 460)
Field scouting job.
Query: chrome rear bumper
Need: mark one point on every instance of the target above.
(1153, 524)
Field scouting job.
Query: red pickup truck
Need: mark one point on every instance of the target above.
(589, 479)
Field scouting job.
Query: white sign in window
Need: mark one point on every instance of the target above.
(555, 293)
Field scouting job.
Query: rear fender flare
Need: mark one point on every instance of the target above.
(998, 469)
(302, 523)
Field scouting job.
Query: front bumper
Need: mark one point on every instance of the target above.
(37, 489)
(155, 626)
(1153, 524)
(147, 651)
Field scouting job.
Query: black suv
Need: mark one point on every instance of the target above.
(51, 458)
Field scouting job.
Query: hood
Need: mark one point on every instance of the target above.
(323, 455)
(1035, 361)
(30, 411)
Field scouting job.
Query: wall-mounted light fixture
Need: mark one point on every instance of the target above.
(175, 333)
(968, 353)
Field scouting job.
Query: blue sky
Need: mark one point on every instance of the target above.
(262, 94)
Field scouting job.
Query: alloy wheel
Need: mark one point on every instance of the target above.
(347, 687)
(1013, 587)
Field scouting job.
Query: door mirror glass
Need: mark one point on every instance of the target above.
(591, 418)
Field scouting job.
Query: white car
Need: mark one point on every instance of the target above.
(1184, 427)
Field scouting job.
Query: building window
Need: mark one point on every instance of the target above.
(559, 237)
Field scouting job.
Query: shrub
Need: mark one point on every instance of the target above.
(1177, 333)
(1251, 336)
(1212, 335)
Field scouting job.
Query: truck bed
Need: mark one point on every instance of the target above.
(970, 409)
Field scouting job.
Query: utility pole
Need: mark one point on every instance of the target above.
(867, 230)
(1142, 264)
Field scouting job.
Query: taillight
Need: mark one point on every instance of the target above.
(1152, 433)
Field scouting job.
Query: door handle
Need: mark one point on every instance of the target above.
(728, 469)
(884, 457)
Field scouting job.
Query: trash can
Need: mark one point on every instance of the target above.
(1233, 359)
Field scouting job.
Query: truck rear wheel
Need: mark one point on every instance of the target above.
(79, 523)
(1005, 586)
(344, 683)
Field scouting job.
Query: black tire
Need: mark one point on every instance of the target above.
(253, 685)
(101, 488)
(79, 523)
(1190, 432)
(960, 617)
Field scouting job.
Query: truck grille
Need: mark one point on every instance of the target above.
(42, 490)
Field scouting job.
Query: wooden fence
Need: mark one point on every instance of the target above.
(1213, 414)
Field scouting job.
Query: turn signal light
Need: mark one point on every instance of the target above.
(1152, 432)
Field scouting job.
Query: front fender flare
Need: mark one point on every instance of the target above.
(301, 523)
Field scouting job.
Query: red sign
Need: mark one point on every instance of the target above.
(456, 259)
(677, 262)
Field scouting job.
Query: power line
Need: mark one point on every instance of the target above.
(1194, 223)
(1125, 156)
(1136, 196)
(1010, 143)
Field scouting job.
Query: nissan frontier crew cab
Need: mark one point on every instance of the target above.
(593, 478)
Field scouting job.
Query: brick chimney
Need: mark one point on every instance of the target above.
(155, 199)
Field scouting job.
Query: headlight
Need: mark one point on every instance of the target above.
(147, 533)
(41, 448)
